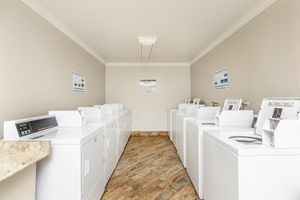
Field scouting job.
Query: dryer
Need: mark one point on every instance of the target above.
(123, 117)
(126, 128)
(92, 116)
(76, 167)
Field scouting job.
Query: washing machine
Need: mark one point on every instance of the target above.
(236, 170)
(173, 113)
(170, 122)
(230, 120)
(173, 125)
(205, 116)
(238, 166)
(76, 167)
(181, 119)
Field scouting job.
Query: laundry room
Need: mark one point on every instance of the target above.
(112, 100)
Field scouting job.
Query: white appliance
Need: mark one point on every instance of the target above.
(94, 116)
(171, 119)
(229, 120)
(123, 121)
(236, 171)
(123, 129)
(277, 108)
(181, 118)
(232, 104)
(196, 101)
(281, 127)
(229, 104)
(117, 107)
(76, 167)
(207, 115)
(183, 106)
(281, 133)
(191, 112)
(123, 124)
(172, 113)
(173, 125)
(237, 166)
(89, 115)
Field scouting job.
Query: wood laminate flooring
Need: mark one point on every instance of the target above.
(149, 133)
(150, 169)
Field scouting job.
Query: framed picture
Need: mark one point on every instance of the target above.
(78, 82)
(221, 79)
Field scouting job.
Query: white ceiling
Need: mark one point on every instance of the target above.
(185, 28)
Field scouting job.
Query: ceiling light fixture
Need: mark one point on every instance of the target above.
(146, 46)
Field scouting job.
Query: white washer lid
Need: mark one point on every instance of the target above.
(221, 137)
(72, 135)
(203, 126)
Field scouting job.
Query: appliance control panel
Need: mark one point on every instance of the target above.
(23, 129)
(33, 126)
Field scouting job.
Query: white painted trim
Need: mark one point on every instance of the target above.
(234, 28)
(35, 6)
(147, 64)
(44, 13)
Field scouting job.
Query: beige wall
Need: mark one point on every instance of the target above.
(36, 61)
(264, 58)
(149, 110)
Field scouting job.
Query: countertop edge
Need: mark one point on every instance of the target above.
(18, 167)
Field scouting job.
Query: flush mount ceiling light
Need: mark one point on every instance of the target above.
(146, 46)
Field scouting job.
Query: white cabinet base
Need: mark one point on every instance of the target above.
(20, 185)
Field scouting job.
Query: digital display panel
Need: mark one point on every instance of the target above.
(24, 129)
(31, 127)
(43, 124)
(277, 113)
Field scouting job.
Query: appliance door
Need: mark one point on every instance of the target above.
(193, 156)
(128, 125)
(179, 137)
(170, 120)
(111, 148)
(173, 128)
(122, 135)
(93, 166)
(59, 175)
(220, 171)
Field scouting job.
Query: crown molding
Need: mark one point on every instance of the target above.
(235, 27)
(147, 64)
(44, 13)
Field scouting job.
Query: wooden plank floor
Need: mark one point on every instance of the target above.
(150, 169)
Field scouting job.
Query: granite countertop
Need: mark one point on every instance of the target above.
(17, 155)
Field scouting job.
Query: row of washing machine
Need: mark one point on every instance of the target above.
(231, 154)
(86, 145)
